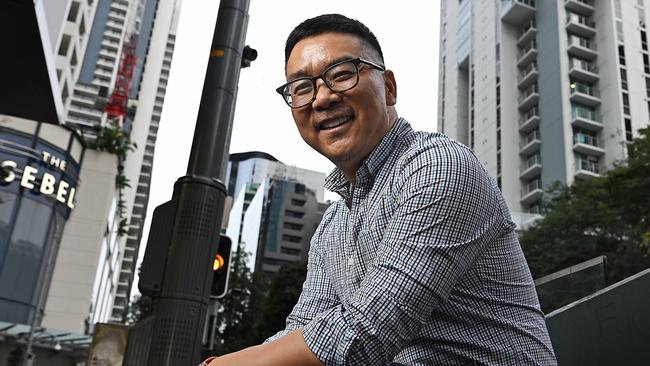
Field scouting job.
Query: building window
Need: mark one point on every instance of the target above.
(65, 44)
(296, 214)
(299, 188)
(290, 251)
(628, 130)
(644, 41)
(296, 202)
(74, 11)
(621, 55)
(626, 104)
(624, 79)
(291, 238)
(292, 226)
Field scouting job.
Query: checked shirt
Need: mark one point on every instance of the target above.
(419, 264)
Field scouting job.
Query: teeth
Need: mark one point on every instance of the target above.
(335, 122)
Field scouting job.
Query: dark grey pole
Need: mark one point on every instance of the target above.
(185, 231)
(217, 108)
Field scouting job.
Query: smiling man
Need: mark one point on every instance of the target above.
(418, 263)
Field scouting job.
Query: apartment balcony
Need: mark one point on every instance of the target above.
(528, 98)
(581, 25)
(527, 76)
(527, 34)
(517, 12)
(529, 121)
(582, 48)
(587, 144)
(584, 7)
(583, 70)
(120, 6)
(527, 54)
(584, 94)
(586, 169)
(530, 143)
(586, 119)
(531, 167)
(531, 192)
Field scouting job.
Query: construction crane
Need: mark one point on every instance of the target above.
(116, 107)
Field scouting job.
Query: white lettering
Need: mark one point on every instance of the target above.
(55, 161)
(47, 183)
(46, 156)
(63, 189)
(73, 190)
(28, 177)
(9, 167)
(63, 164)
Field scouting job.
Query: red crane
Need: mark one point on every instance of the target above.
(117, 103)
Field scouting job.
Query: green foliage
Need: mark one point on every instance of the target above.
(608, 216)
(115, 140)
(256, 306)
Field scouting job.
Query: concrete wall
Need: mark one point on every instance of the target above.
(610, 327)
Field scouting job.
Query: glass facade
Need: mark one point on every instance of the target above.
(39, 169)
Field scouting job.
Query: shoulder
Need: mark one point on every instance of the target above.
(437, 157)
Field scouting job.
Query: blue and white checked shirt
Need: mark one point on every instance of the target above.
(419, 264)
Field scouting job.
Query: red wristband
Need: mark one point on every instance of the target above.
(208, 360)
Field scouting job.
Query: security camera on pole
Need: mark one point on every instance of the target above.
(177, 270)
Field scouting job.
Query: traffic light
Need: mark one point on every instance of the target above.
(221, 268)
(15, 357)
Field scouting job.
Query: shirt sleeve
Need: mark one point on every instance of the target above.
(317, 294)
(447, 211)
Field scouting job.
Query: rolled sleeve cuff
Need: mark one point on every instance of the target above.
(329, 337)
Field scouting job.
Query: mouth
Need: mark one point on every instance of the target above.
(333, 123)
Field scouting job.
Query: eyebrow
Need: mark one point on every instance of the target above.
(301, 73)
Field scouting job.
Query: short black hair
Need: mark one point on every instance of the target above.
(326, 23)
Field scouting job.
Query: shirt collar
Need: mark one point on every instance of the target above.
(336, 180)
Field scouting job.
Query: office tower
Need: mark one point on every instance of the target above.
(543, 91)
(276, 209)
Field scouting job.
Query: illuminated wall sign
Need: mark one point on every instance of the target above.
(58, 189)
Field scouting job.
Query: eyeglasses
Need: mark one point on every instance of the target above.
(340, 77)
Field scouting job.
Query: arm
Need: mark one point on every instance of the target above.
(288, 350)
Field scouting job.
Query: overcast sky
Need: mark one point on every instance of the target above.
(407, 31)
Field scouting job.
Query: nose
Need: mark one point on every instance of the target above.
(325, 97)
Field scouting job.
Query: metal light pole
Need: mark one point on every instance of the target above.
(181, 288)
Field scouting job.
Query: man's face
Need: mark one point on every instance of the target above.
(344, 127)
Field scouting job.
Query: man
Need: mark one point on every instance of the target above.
(418, 263)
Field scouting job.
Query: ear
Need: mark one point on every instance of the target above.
(391, 88)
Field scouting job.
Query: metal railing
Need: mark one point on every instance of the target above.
(530, 46)
(530, 68)
(585, 113)
(584, 89)
(531, 186)
(533, 112)
(531, 161)
(588, 165)
(575, 63)
(532, 136)
(582, 42)
(580, 19)
(528, 92)
(582, 138)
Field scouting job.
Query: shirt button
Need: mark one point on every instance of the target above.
(350, 262)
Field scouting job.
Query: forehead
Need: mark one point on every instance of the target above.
(313, 54)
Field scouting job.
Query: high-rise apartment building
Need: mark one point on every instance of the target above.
(543, 91)
(276, 209)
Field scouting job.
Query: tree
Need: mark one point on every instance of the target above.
(608, 215)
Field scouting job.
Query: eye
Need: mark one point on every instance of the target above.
(301, 87)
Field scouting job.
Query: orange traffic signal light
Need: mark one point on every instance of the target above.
(218, 262)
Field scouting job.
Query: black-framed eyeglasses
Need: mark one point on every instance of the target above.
(340, 77)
